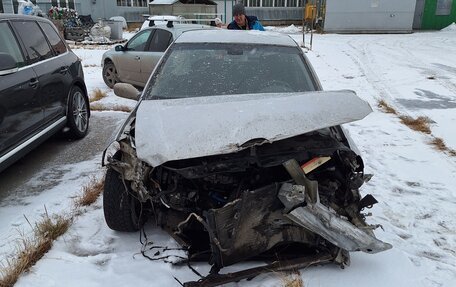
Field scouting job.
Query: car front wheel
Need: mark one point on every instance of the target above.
(78, 113)
(110, 76)
(122, 211)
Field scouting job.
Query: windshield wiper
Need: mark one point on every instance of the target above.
(155, 97)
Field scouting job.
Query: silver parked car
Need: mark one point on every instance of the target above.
(236, 152)
(134, 62)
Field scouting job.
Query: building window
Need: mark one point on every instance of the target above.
(254, 3)
(443, 7)
(268, 3)
(1, 7)
(15, 5)
(132, 3)
(63, 3)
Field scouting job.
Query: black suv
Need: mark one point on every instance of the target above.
(42, 89)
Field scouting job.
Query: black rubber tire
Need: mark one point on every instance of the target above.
(110, 74)
(122, 211)
(78, 113)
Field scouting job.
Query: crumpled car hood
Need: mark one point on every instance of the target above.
(194, 127)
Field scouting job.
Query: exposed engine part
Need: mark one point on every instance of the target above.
(259, 201)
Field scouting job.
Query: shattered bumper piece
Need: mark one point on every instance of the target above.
(327, 223)
(277, 266)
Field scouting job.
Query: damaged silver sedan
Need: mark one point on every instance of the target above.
(235, 151)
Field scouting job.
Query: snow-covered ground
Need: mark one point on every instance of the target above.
(414, 183)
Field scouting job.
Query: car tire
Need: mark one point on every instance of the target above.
(122, 211)
(110, 76)
(78, 113)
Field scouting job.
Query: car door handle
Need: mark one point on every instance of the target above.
(63, 70)
(33, 83)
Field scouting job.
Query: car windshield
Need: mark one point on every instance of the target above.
(201, 69)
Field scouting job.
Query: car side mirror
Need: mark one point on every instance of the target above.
(7, 64)
(119, 48)
(126, 91)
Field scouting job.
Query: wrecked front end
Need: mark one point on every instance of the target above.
(288, 199)
(298, 196)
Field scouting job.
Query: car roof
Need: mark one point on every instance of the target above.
(236, 36)
(8, 16)
(180, 27)
(166, 17)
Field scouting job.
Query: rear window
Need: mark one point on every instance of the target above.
(54, 39)
(34, 40)
(192, 70)
(160, 41)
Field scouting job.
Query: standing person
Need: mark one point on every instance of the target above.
(243, 22)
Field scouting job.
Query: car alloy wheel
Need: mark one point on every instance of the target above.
(78, 113)
(110, 76)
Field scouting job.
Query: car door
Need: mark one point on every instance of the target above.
(128, 62)
(158, 44)
(55, 101)
(48, 69)
(20, 108)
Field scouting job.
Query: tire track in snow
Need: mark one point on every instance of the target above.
(413, 207)
(432, 70)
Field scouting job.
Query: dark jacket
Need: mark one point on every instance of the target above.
(252, 21)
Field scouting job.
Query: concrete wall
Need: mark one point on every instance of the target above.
(8, 6)
(277, 15)
(369, 16)
(186, 10)
(109, 8)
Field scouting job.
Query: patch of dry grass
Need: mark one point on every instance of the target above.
(100, 107)
(386, 108)
(420, 124)
(90, 192)
(30, 250)
(97, 95)
(28, 253)
(439, 144)
(52, 228)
